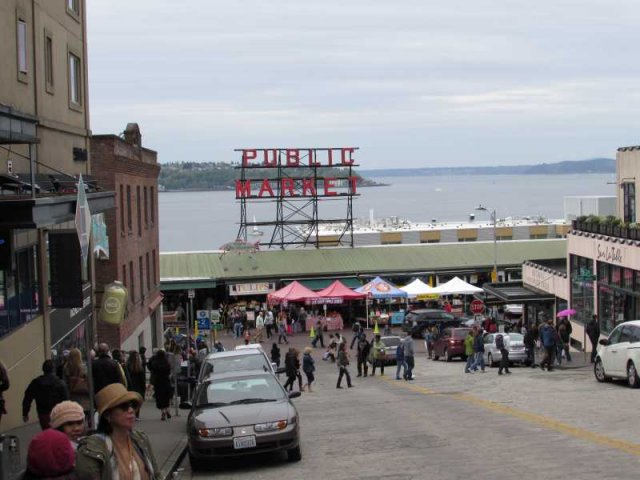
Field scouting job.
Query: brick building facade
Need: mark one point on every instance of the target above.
(126, 167)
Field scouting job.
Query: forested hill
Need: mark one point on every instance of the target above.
(593, 165)
(222, 176)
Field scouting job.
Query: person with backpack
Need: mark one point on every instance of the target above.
(548, 340)
(400, 362)
(502, 343)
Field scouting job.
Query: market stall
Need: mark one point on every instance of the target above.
(379, 289)
(294, 292)
(335, 294)
(457, 286)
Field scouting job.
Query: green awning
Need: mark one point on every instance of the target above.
(186, 285)
(320, 283)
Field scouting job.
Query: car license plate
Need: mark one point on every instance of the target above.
(244, 442)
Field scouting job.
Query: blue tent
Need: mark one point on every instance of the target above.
(378, 288)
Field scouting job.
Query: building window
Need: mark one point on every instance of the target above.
(153, 205)
(141, 277)
(48, 62)
(148, 272)
(129, 221)
(122, 209)
(500, 238)
(146, 208)
(73, 6)
(155, 273)
(132, 290)
(124, 275)
(75, 80)
(22, 48)
(629, 199)
(139, 210)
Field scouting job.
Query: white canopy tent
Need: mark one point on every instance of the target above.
(418, 288)
(456, 286)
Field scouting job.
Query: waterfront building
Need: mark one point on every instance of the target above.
(123, 165)
(45, 289)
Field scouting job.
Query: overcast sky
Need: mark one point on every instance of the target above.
(413, 83)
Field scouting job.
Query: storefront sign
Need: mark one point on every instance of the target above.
(258, 288)
(610, 253)
(204, 321)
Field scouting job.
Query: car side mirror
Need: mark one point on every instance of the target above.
(281, 370)
(294, 394)
(185, 406)
(604, 341)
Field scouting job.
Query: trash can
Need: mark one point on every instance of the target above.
(9, 457)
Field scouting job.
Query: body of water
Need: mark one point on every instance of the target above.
(207, 220)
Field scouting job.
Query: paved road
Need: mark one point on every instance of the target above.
(451, 425)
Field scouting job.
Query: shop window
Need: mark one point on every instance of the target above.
(616, 276)
(629, 201)
(19, 291)
(627, 280)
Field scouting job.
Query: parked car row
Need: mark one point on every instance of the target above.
(224, 418)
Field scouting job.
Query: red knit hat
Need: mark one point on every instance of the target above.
(50, 454)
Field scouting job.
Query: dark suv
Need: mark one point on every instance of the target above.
(417, 321)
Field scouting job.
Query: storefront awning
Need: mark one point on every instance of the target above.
(516, 292)
(173, 285)
(320, 283)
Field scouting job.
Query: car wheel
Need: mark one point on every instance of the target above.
(447, 357)
(294, 455)
(632, 376)
(598, 371)
(196, 464)
(490, 360)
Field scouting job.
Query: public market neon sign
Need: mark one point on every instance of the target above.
(302, 187)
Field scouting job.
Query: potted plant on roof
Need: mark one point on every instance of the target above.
(634, 231)
(592, 224)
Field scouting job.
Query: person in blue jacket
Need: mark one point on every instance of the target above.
(548, 339)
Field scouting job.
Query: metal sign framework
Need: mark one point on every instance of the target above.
(297, 189)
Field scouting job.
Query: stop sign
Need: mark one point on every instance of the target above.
(477, 306)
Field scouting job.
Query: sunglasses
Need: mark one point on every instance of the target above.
(127, 405)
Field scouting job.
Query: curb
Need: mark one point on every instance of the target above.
(174, 460)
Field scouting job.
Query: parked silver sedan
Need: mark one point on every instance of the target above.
(515, 346)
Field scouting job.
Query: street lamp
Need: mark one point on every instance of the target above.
(494, 273)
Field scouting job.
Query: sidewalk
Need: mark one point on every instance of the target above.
(168, 438)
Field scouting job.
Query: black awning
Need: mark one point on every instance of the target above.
(516, 292)
(42, 212)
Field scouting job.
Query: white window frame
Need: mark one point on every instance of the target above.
(75, 79)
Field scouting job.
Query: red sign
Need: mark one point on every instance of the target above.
(477, 306)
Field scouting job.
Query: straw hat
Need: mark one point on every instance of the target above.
(65, 412)
(113, 395)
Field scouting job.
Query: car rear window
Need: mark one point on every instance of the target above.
(457, 334)
(238, 363)
(391, 342)
(235, 390)
(515, 337)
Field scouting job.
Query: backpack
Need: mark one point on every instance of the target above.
(499, 342)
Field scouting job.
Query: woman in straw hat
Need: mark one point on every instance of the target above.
(117, 451)
(68, 417)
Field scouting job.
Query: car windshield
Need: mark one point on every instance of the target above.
(391, 341)
(254, 361)
(239, 390)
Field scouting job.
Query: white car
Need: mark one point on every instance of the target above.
(619, 355)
